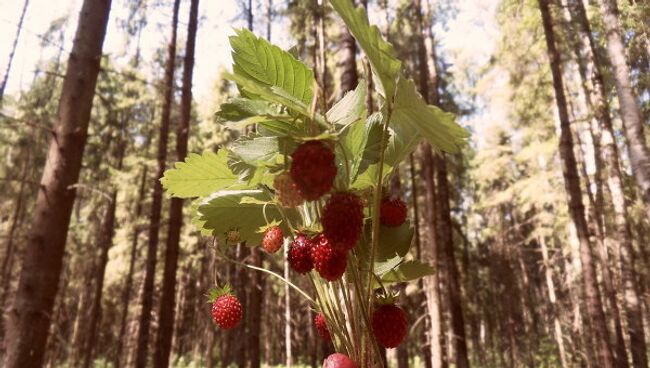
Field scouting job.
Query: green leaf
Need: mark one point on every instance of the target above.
(393, 241)
(257, 59)
(199, 175)
(238, 108)
(275, 95)
(351, 108)
(380, 53)
(436, 126)
(383, 267)
(408, 271)
(240, 210)
(360, 144)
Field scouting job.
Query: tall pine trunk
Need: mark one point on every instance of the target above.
(428, 234)
(167, 302)
(29, 318)
(623, 233)
(156, 203)
(10, 60)
(128, 285)
(592, 297)
(105, 243)
(630, 110)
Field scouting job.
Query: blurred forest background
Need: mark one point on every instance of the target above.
(540, 230)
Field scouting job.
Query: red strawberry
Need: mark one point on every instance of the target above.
(273, 239)
(299, 255)
(343, 219)
(338, 360)
(330, 262)
(392, 212)
(313, 169)
(287, 191)
(226, 309)
(321, 327)
(389, 323)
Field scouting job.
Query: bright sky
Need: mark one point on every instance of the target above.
(468, 40)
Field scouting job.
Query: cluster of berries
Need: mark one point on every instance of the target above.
(311, 176)
(327, 252)
(389, 325)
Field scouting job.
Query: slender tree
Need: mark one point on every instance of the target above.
(630, 110)
(5, 78)
(105, 243)
(428, 234)
(592, 296)
(29, 318)
(156, 203)
(167, 302)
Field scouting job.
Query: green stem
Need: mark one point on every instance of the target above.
(270, 273)
(377, 204)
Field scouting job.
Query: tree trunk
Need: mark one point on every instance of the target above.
(29, 318)
(555, 310)
(623, 233)
(592, 296)
(156, 203)
(167, 302)
(254, 314)
(427, 232)
(348, 62)
(8, 261)
(630, 110)
(126, 295)
(5, 78)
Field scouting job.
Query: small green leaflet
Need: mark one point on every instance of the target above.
(241, 210)
(257, 59)
(239, 108)
(199, 175)
(408, 271)
(351, 108)
(380, 53)
(275, 95)
(436, 126)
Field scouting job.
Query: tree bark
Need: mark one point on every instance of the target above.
(555, 311)
(427, 232)
(167, 302)
(5, 78)
(126, 294)
(108, 230)
(8, 261)
(156, 203)
(348, 62)
(592, 295)
(623, 232)
(29, 318)
(630, 110)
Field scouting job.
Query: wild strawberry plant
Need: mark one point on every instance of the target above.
(316, 181)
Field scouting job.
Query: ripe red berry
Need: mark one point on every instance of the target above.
(330, 262)
(227, 311)
(392, 212)
(287, 191)
(343, 219)
(338, 360)
(299, 255)
(390, 325)
(313, 169)
(273, 239)
(321, 327)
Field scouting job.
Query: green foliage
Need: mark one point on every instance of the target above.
(380, 53)
(258, 60)
(199, 175)
(244, 211)
(407, 271)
